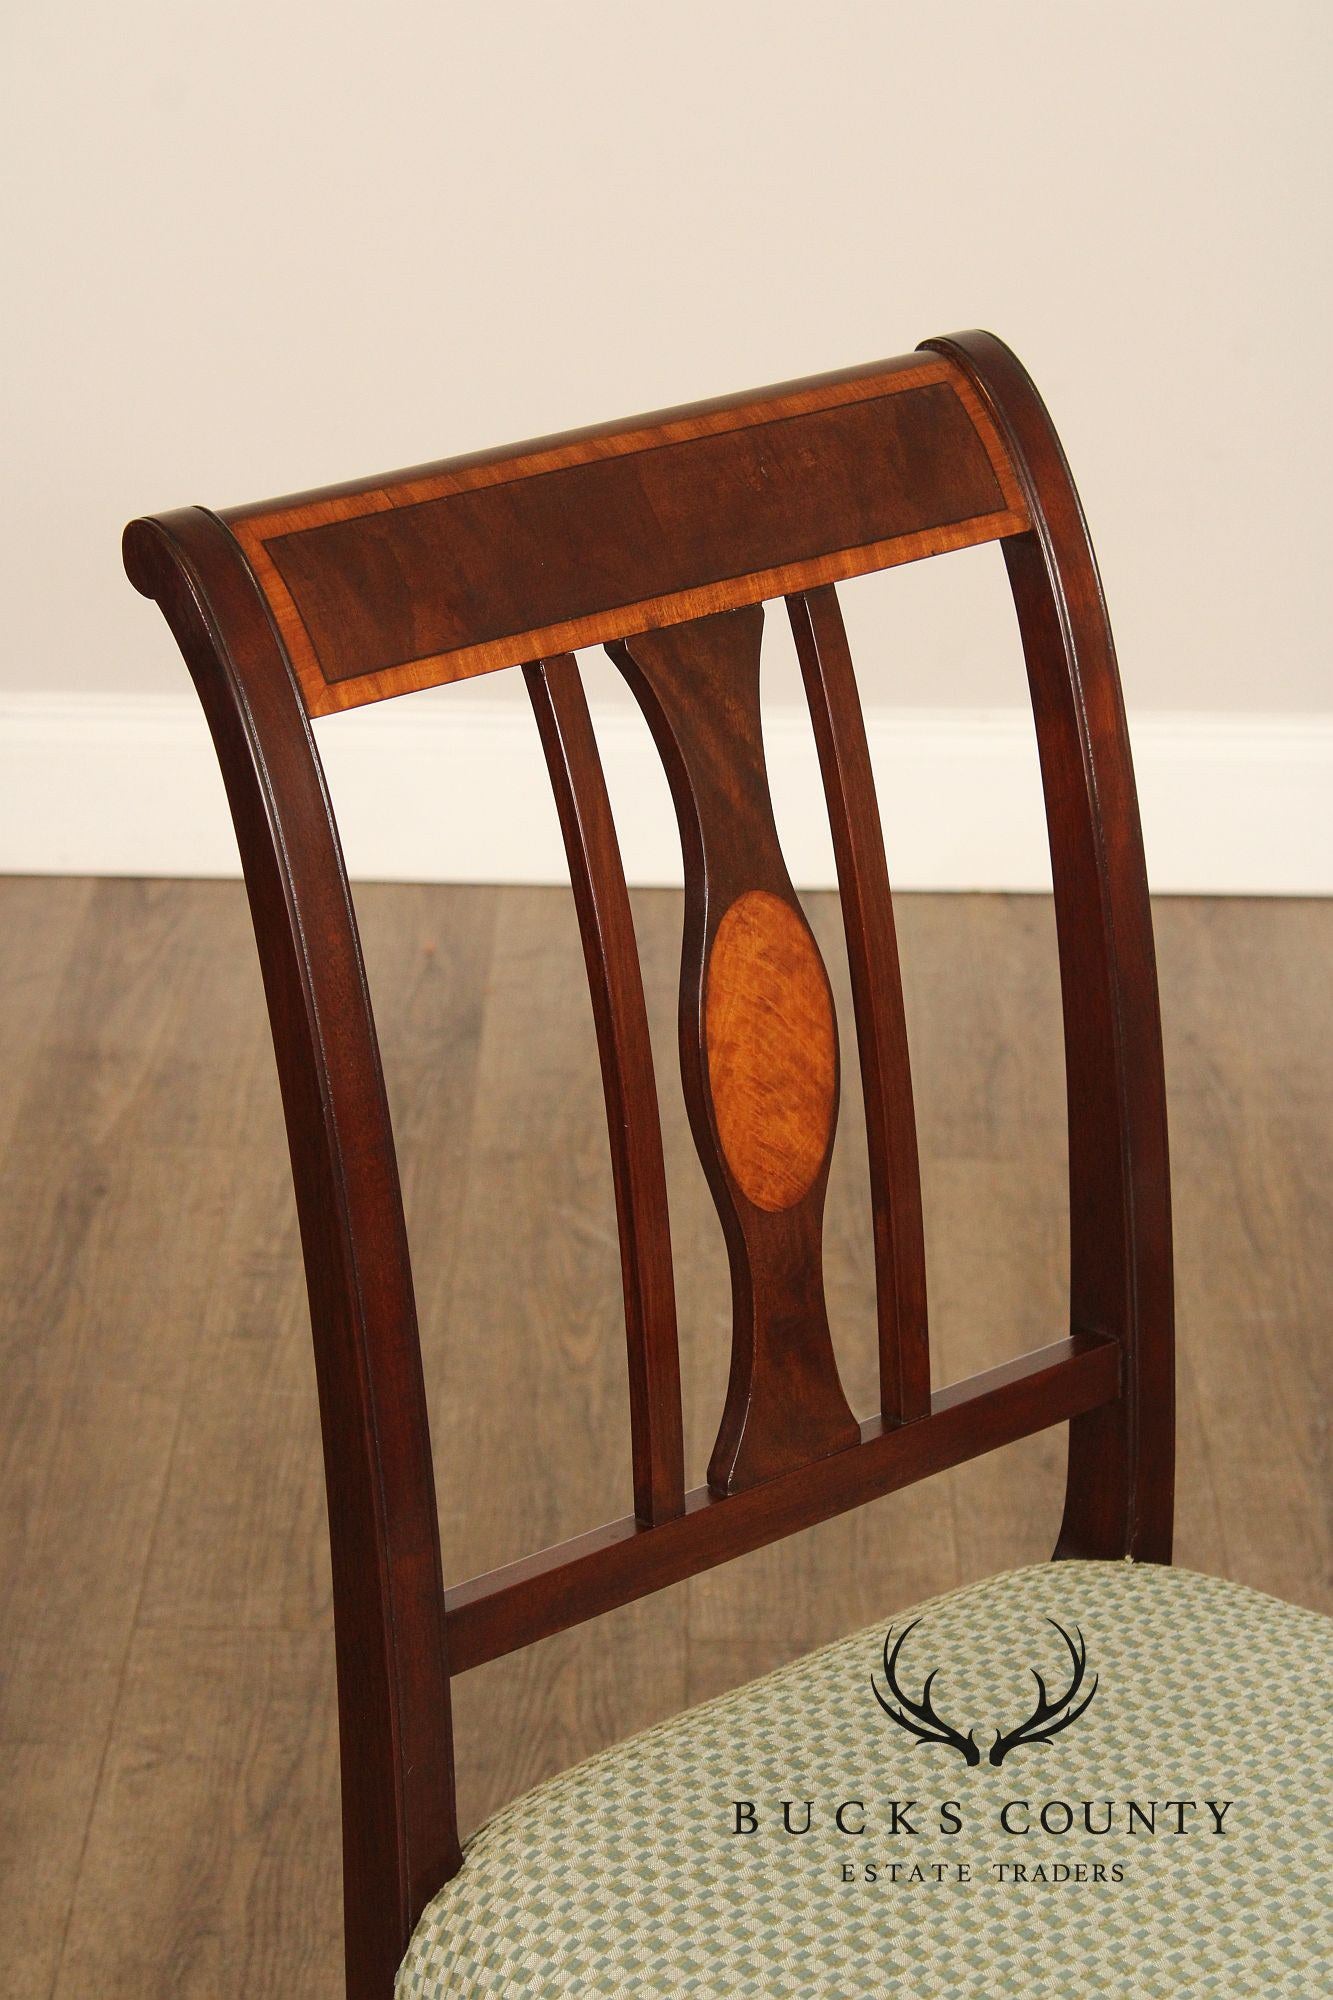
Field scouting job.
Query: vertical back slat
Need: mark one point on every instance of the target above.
(877, 998)
(615, 982)
(758, 1044)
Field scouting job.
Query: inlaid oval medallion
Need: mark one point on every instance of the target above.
(772, 1049)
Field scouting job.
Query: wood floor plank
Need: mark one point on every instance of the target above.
(532, 1381)
(109, 1204)
(212, 1865)
(1246, 1008)
(167, 1739)
(528, 1384)
(39, 925)
(241, 1542)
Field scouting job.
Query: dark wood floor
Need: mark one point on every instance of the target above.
(168, 1781)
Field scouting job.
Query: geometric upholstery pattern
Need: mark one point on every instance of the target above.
(625, 1878)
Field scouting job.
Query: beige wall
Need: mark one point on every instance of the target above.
(257, 247)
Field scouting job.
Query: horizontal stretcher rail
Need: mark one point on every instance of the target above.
(495, 1613)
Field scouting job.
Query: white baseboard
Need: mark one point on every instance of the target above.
(434, 791)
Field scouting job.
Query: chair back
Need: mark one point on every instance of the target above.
(662, 538)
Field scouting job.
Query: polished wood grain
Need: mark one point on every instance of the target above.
(436, 574)
(771, 1046)
(168, 1761)
(400, 1836)
(659, 539)
(770, 1133)
(633, 1124)
(1121, 1460)
(612, 1565)
(881, 1030)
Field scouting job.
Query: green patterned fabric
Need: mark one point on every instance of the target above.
(624, 1877)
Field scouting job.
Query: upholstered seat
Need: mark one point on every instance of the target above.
(626, 1876)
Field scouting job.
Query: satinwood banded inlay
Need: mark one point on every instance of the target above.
(449, 570)
(772, 1050)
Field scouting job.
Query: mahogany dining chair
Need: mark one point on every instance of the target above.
(670, 1865)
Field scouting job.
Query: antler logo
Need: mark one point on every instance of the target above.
(920, 1720)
